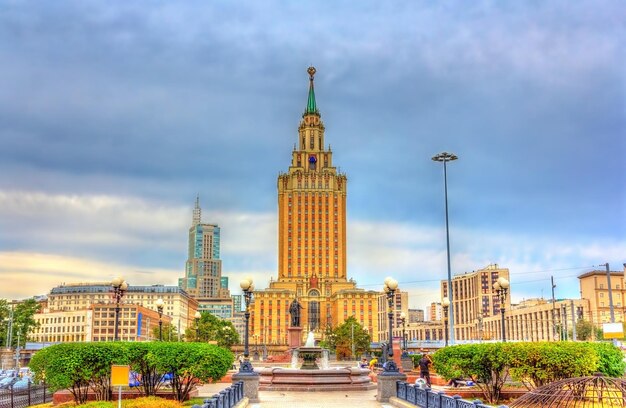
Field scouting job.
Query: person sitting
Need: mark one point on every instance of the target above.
(457, 382)
(363, 363)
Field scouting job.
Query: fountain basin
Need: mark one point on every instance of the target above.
(332, 379)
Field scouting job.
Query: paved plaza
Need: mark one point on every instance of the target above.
(287, 399)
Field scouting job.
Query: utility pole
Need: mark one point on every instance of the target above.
(553, 309)
(608, 279)
(573, 320)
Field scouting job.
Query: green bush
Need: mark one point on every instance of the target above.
(610, 359)
(79, 366)
(540, 363)
(190, 364)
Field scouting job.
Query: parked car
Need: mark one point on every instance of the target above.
(22, 384)
(8, 382)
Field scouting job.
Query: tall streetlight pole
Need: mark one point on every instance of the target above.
(445, 304)
(247, 287)
(197, 317)
(159, 304)
(501, 287)
(390, 367)
(119, 288)
(402, 321)
(445, 157)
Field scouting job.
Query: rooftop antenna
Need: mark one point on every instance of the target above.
(197, 212)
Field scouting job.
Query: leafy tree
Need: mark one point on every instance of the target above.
(62, 366)
(584, 330)
(169, 332)
(151, 379)
(23, 320)
(341, 338)
(190, 364)
(486, 364)
(212, 328)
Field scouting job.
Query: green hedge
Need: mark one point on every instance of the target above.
(532, 364)
(83, 366)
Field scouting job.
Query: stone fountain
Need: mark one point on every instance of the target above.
(310, 376)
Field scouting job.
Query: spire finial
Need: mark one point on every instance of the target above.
(311, 106)
(197, 212)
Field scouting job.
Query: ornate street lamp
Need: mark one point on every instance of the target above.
(390, 367)
(402, 321)
(159, 304)
(501, 286)
(445, 303)
(119, 288)
(197, 317)
(445, 157)
(247, 287)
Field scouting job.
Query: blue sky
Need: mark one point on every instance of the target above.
(114, 115)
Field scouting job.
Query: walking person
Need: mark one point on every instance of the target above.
(424, 364)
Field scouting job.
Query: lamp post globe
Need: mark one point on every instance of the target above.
(247, 286)
(159, 304)
(119, 288)
(390, 286)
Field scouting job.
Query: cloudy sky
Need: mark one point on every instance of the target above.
(114, 115)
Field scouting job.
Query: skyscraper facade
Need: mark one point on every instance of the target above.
(203, 278)
(311, 242)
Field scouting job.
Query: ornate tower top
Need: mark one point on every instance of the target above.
(197, 213)
(311, 107)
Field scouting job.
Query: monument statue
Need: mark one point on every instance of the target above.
(294, 311)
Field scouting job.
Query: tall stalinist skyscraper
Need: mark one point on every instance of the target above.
(311, 243)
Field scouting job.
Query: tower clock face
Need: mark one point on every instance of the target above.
(312, 162)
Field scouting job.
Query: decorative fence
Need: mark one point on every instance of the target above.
(24, 397)
(227, 398)
(426, 398)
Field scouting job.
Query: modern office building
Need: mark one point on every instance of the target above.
(203, 278)
(311, 243)
(474, 297)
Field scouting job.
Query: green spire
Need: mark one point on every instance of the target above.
(311, 107)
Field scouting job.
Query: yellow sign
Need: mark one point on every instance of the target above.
(613, 330)
(119, 375)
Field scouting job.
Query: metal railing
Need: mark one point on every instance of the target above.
(227, 398)
(426, 398)
(24, 397)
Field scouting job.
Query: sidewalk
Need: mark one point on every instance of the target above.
(287, 399)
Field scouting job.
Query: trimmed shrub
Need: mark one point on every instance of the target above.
(610, 359)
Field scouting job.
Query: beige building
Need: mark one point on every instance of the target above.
(178, 305)
(400, 305)
(595, 289)
(435, 312)
(97, 323)
(534, 320)
(311, 244)
(415, 316)
(474, 297)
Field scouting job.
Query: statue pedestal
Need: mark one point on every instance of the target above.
(295, 337)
